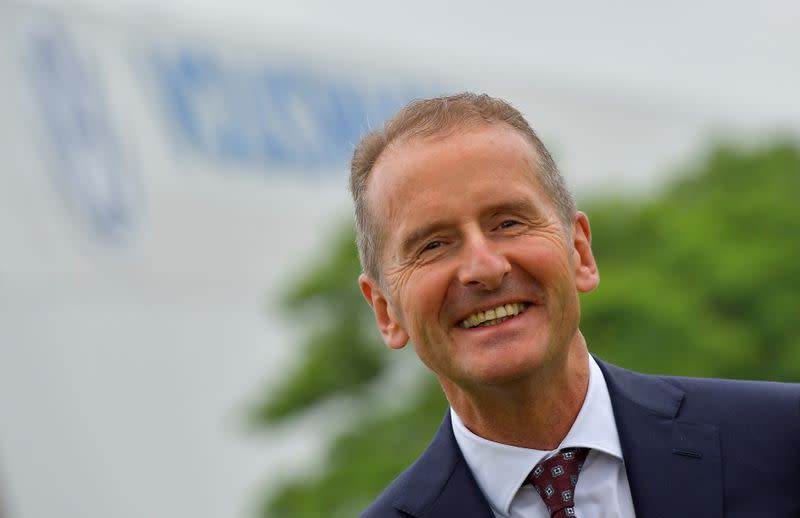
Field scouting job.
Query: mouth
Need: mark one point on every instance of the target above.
(494, 316)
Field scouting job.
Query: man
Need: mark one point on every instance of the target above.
(473, 250)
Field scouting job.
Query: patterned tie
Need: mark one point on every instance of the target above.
(555, 480)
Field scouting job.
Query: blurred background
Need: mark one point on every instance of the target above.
(180, 329)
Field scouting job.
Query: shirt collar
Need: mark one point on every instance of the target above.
(501, 469)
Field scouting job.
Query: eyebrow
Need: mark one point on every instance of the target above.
(410, 241)
(516, 205)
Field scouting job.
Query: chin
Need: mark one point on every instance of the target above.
(500, 372)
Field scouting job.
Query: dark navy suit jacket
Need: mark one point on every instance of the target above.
(692, 447)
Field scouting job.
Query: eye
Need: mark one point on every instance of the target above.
(507, 224)
(433, 245)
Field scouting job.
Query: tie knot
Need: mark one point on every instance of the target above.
(555, 480)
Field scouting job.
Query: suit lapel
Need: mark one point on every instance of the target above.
(673, 467)
(441, 484)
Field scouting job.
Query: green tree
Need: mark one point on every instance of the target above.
(701, 279)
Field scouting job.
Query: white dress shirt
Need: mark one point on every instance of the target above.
(602, 490)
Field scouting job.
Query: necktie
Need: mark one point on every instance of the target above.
(555, 480)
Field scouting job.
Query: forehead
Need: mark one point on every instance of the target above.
(422, 165)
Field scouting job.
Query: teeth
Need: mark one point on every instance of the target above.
(493, 316)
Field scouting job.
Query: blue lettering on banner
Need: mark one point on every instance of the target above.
(276, 118)
(89, 165)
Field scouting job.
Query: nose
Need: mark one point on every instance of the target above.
(483, 265)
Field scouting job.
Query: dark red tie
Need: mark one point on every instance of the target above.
(555, 480)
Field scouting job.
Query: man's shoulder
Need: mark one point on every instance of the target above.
(735, 400)
(735, 386)
(384, 505)
(438, 483)
(727, 400)
(421, 484)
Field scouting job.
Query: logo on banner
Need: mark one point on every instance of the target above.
(90, 167)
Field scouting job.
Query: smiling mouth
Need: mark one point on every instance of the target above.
(492, 317)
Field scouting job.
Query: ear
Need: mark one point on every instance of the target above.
(388, 322)
(586, 275)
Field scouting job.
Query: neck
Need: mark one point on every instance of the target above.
(537, 412)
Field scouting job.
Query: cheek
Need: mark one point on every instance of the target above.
(554, 260)
(427, 296)
(545, 264)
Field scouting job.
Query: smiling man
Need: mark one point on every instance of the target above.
(474, 252)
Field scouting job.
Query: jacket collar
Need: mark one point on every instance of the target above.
(440, 483)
